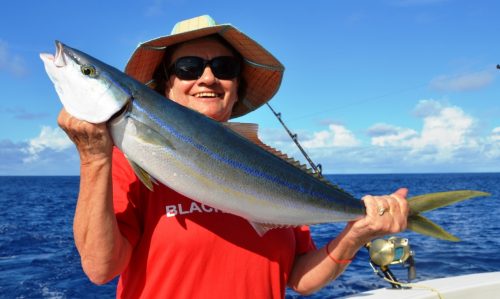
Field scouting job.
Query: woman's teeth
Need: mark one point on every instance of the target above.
(206, 95)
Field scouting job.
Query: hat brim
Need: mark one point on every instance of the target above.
(261, 71)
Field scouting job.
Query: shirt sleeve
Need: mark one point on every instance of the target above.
(304, 241)
(126, 190)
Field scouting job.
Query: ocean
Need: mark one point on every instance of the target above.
(38, 258)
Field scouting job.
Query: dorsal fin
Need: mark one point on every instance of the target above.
(250, 132)
(247, 130)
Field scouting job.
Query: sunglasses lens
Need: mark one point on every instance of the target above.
(188, 68)
(192, 67)
(225, 67)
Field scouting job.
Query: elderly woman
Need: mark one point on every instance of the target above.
(165, 245)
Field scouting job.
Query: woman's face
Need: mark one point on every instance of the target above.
(209, 95)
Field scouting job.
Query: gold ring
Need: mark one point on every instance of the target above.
(381, 211)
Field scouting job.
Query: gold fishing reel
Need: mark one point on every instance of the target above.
(389, 252)
(392, 251)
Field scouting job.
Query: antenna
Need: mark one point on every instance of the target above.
(316, 167)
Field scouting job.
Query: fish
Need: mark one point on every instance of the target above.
(222, 165)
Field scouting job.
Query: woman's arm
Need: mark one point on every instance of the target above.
(315, 269)
(103, 250)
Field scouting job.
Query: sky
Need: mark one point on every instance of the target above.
(387, 86)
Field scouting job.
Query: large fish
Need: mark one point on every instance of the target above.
(221, 165)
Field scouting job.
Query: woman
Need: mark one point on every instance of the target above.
(163, 244)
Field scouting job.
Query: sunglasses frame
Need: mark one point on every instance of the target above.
(195, 74)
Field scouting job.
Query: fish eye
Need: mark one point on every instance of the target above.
(88, 70)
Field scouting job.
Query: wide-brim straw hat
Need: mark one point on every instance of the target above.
(261, 71)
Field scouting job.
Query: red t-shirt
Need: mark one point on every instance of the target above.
(184, 249)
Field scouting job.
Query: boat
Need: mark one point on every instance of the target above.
(396, 251)
(481, 285)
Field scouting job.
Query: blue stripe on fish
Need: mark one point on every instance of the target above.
(249, 170)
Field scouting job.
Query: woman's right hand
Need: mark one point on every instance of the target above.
(93, 141)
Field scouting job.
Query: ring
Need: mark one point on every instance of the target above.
(381, 211)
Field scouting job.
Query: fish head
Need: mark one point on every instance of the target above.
(89, 89)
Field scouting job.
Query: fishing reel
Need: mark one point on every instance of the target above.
(393, 251)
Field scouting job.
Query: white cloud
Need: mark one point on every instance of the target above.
(426, 108)
(387, 135)
(382, 129)
(10, 62)
(492, 147)
(446, 131)
(449, 139)
(16, 159)
(463, 82)
(495, 134)
(50, 138)
(335, 136)
(450, 128)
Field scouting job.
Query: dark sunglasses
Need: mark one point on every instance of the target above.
(192, 67)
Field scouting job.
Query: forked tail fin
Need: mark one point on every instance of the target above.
(431, 201)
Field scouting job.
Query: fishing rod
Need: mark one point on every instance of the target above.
(316, 167)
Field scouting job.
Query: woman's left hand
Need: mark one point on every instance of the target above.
(385, 215)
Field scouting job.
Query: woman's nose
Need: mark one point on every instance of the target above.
(208, 76)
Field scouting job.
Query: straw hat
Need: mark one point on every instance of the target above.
(261, 71)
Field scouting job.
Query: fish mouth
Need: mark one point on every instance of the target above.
(58, 58)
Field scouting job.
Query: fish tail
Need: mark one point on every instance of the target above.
(431, 201)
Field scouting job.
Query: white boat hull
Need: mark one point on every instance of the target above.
(482, 285)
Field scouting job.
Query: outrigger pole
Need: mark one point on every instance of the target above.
(316, 167)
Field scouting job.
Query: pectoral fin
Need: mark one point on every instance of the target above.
(143, 175)
(149, 135)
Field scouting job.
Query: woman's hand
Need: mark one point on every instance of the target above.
(385, 215)
(92, 141)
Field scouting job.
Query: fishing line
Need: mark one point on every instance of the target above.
(362, 101)
(400, 91)
(413, 285)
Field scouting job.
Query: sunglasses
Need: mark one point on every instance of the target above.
(192, 67)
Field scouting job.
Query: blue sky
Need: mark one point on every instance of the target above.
(389, 86)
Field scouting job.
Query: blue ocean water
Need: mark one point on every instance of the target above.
(38, 258)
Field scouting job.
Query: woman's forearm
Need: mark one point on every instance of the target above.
(103, 250)
(315, 269)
